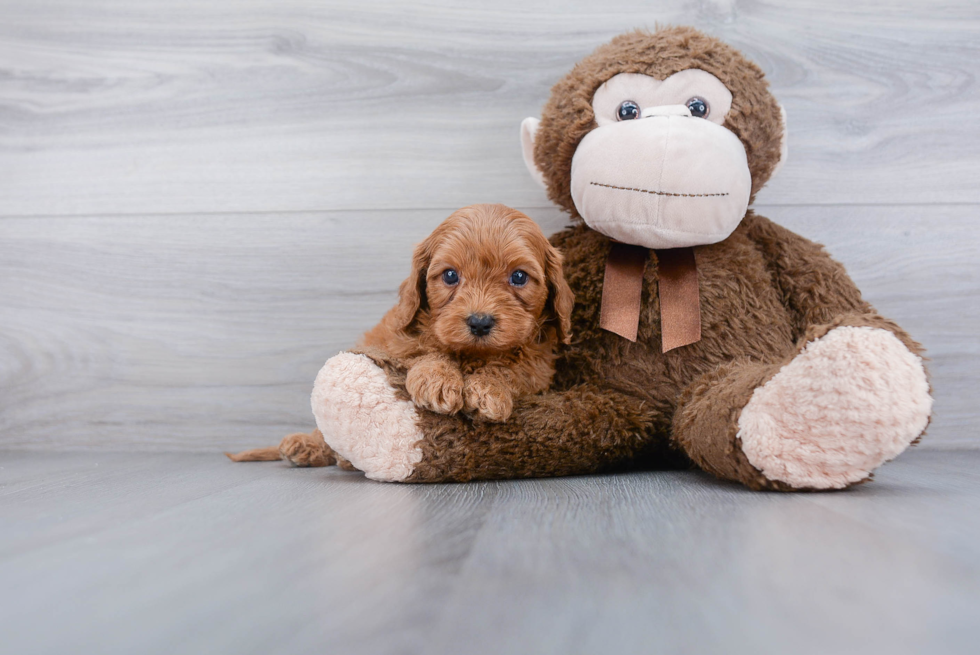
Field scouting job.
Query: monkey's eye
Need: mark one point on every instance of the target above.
(518, 278)
(628, 110)
(698, 106)
(450, 277)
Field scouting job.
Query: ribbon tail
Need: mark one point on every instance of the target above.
(680, 298)
(622, 288)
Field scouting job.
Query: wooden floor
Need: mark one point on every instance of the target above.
(188, 553)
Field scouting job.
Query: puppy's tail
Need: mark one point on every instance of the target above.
(270, 454)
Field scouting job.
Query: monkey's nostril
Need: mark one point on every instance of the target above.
(480, 324)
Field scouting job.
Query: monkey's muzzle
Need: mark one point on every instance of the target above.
(667, 180)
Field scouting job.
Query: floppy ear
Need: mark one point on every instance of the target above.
(411, 293)
(560, 296)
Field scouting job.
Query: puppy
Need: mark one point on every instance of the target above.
(478, 318)
(476, 323)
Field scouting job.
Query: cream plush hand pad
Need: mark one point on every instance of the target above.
(363, 420)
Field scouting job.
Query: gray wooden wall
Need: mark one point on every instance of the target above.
(202, 201)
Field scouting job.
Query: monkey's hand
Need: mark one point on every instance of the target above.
(487, 396)
(435, 383)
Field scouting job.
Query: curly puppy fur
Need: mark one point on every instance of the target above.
(450, 368)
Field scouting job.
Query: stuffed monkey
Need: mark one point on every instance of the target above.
(703, 334)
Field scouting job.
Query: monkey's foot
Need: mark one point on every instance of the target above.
(362, 419)
(850, 401)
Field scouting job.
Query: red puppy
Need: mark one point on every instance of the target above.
(476, 323)
(479, 316)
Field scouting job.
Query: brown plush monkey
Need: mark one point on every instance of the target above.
(703, 333)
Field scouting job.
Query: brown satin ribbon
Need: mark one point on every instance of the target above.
(680, 303)
(621, 289)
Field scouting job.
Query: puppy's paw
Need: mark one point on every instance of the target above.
(436, 385)
(306, 449)
(487, 399)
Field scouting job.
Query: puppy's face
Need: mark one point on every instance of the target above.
(489, 281)
(486, 286)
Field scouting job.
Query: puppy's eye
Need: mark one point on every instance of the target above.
(450, 277)
(518, 278)
(628, 110)
(699, 107)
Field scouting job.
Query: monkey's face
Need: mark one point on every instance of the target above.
(660, 170)
(658, 139)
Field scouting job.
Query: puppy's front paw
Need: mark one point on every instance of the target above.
(487, 399)
(436, 385)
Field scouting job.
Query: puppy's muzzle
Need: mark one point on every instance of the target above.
(480, 324)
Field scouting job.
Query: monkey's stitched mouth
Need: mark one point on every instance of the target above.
(660, 193)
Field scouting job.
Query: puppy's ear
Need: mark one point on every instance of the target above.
(560, 296)
(411, 293)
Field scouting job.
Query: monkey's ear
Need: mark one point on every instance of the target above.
(411, 293)
(529, 129)
(560, 296)
(783, 143)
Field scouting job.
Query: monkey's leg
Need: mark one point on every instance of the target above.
(582, 430)
(825, 418)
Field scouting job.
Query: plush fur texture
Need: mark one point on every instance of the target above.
(766, 294)
(828, 388)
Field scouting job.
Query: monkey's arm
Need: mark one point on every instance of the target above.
(581, 430)
(365, 417)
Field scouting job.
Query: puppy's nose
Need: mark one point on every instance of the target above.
(480, 324)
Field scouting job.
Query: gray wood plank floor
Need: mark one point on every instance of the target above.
(185, 553)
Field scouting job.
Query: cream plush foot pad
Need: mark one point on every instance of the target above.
(849, 402)
(362, 420)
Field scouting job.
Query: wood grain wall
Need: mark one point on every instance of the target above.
(202, 201)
